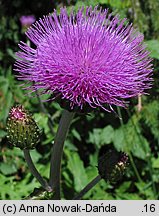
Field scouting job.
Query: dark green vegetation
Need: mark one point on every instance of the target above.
(137, 133)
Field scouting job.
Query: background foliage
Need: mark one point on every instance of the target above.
(136, 133)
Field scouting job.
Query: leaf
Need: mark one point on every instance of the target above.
(99, 192)
(153, 46)
(42, 120)
(136, 142)
(76, 134)
(35, 155)
(2, 133)
(92, 172)
(44, 169)
(103, 1)
(4, 84)
(5, 186)
(93, 158)
(101, 136)
(24, 187)
(145, 189)
(11, 53)
(70, 145)
(149, 115)
(128, 138)
(128, 196)
(5, 99)
(155, 163)
(123, 188)
(94, 137)
(119, 140)
(8, 169)
(76, 167)
(107, 135)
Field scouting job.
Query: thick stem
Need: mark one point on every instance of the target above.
(87, 188)
(34, 171)
(57, 151)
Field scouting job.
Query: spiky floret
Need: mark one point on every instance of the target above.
(22, 129)
(87, 58)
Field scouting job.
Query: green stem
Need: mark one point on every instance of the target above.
(57, 152)
(34, 171)
(130, 155)
(87, 188)
(134, 167)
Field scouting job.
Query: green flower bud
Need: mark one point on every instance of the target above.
(112, 165)
(22, 129)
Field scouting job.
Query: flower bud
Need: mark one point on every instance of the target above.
(22, 129)
(112, 164)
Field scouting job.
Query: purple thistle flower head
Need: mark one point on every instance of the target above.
(90, 59)
(26, 21)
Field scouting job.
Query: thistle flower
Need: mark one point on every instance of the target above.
(22, 130)
(26, 21)
(89, 59)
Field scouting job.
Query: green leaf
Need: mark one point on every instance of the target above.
(128, 138)
(123, 188)
(5, 185)
(99, 191)
(8, 169)
(107, 135)
(2, 133)
(153, 46)
(4, 84)
(92, 172)
(155, 163)
(44, 169)
(11, 53)
(94, 137)
(5, 99)
(70, 145)
(76, 134)
(35, 155)
(145, 189)
(42, 120)
(150, 115)
(128, 196)
(76, 167)
(93, 158)
(101, 136)
(119, 140)
(103, 1)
